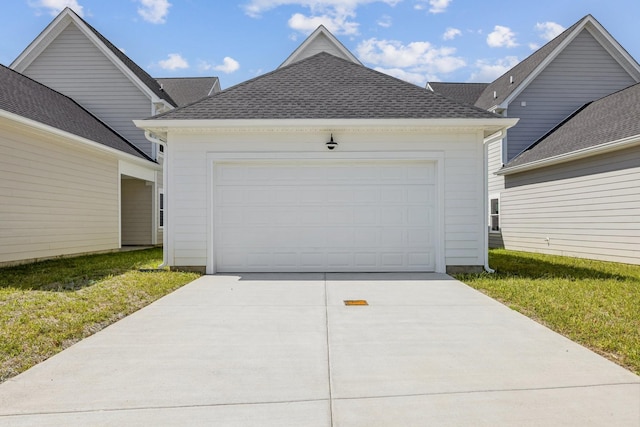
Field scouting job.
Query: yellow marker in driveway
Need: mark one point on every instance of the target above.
(355, 302)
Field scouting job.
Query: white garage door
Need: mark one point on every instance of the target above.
(315, 216)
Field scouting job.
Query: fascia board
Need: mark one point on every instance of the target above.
(601, 32)
(40, 43)
(536, 72)
(55, 28)
(75, 138)
(117, 62)
(574, 155)
(487, 124)
(320, 30)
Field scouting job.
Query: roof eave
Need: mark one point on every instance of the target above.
(573, 155)
(489, 125)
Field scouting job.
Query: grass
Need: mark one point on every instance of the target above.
(47, 306)
(596, 304)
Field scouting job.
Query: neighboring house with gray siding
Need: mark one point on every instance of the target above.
(581, 65)
(69, 184)
(576, 191)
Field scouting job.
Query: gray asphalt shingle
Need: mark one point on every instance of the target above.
(186, 90)
(608, 119)
(25, 97)
(325, 87)
(463, 92)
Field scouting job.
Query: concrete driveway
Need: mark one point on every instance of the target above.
(284, 350)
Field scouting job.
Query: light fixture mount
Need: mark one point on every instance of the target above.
(331, 144)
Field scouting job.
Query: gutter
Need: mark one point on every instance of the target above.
(491, 138)
(165, 177)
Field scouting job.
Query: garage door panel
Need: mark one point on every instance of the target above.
(316, 216)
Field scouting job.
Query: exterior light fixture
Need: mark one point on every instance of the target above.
(331, 144)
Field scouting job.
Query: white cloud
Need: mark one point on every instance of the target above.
(419, 79)
(549, 30)
(154, 11)
(228, 66)
(488, 72)
(175, 61)
(384, 21)
(335, 24)
(56, 6)
(451, 33)
(501, 37)
(534, 46)
(255, 8)
(416, 62)
(438, 6)
(337, 15)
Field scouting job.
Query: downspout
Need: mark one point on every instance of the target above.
(165, 233)
(491, 138)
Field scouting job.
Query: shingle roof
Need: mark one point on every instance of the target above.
(325, 87)
(25, 97)
(503, 87)
(185, 90)
(608, 119)
(463, 92)
(149, 81)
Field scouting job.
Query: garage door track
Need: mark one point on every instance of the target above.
(285, 350)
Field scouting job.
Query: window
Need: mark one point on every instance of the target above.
(161, 209)
(494, 215)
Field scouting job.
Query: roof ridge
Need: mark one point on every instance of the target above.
(97, 119)
(246, 82)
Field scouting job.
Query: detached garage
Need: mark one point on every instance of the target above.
(325, 165)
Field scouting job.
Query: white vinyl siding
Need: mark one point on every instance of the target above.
(318, 45)
(136, 212)
(584, 71)
(55, 198)
(496, 182)
(464, 222)
(74, 66)
(588, 208)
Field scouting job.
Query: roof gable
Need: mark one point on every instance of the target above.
(321, 40)
(24, 97)
(608, 120)
(325, 87)
(506, 87)
(129, 68)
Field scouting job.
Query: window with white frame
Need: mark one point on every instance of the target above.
(494, 215)
(161, 209)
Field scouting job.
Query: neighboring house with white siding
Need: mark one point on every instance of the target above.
(325, 165)
(73, 58)
(69, 184)
(581, 65)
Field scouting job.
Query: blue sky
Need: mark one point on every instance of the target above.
(416, 40)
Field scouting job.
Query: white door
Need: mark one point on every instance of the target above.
(320, 216)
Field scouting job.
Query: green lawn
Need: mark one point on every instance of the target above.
(596, 304)
(47, 306)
